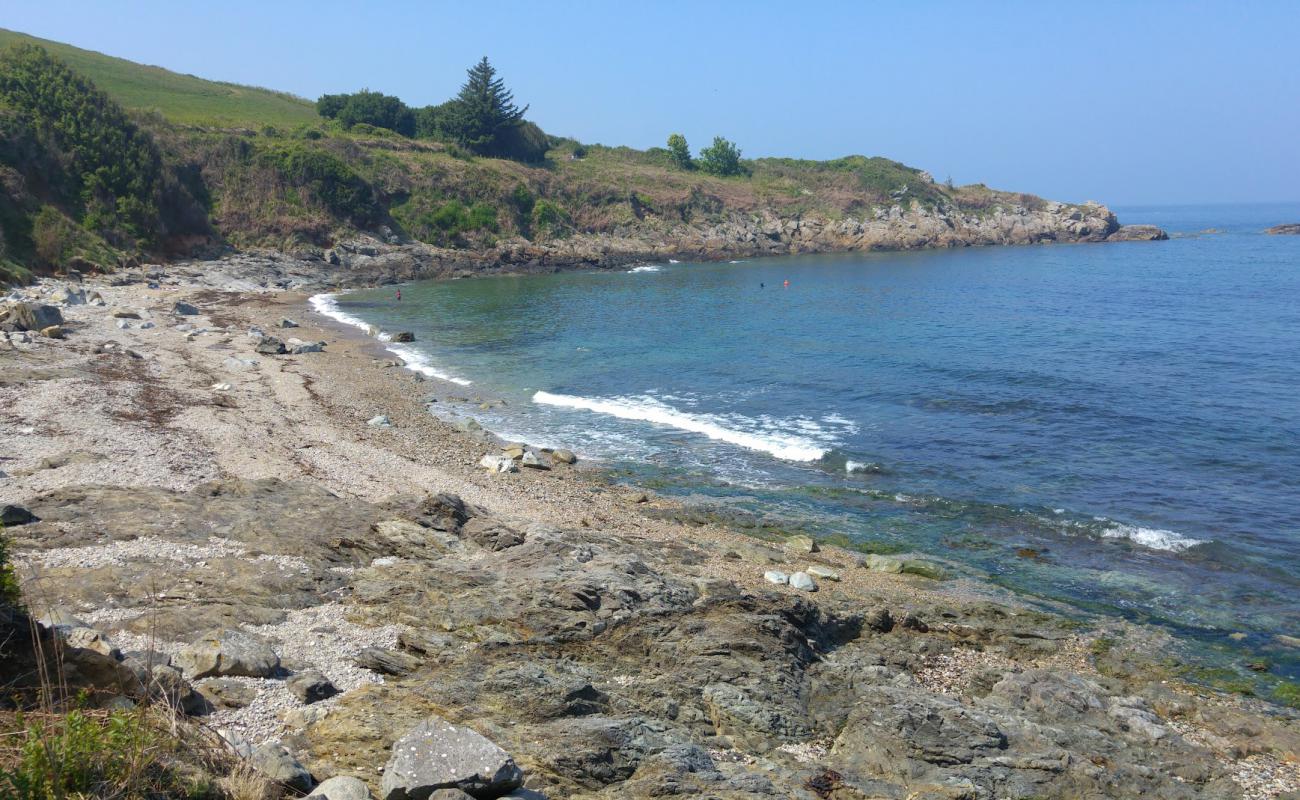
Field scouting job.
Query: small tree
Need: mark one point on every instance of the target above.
(680, 152)
(483, 110)
(721, 158)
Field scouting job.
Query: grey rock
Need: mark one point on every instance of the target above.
(533, 461)
(776, 576)
(438, 755)
(228, 653)
(307, 347)
(24, 316)
(185, 309)
(341, 787)
(819, 571)
(170, 685)
(564, 457)
(11, 515)
(403, 337)
(379, 421)
(288, 323)
(803, 581)
(387, 662)
(226, 692)
(270, 346)
(91, 639)
(498, 463)
(311, 686)
(277, 763)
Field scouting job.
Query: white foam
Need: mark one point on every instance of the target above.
(855, 466)
(782, 445)
(673, 261)
(327, 305)
(646, 268)
(419, 362)
(1154, 538)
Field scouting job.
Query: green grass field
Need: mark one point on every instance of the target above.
(182, 99)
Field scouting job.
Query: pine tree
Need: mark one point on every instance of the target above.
(484, 109)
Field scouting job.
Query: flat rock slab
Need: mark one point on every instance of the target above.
(438, 755)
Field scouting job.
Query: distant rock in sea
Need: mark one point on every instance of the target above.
(1138, 233)
(1289, 229)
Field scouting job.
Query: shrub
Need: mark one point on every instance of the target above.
(371, 108)
(523, 200)
(680, 152)
(549, 217)
(523, 142)
(326, 177)
(721, 158)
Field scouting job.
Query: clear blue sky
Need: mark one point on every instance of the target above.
(1123, 102)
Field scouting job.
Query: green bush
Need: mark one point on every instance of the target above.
(80, 754)
(370, 108)
(549, 217)
(680, 152)
(720, 158)
(327, 178)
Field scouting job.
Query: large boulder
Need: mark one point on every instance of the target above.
(275, 762)
(341, 787)
(438, 755)
(29, 317)
(228, 653)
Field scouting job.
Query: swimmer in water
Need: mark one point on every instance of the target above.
(399, 295)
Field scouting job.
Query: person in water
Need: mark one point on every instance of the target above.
(399, 295)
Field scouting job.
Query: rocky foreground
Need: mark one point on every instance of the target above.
(279, 538)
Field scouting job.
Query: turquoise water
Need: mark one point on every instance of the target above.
(1130, 411)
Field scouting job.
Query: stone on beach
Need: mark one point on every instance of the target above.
(564, 456)
(277, 763)
(24, 316)
(379, 421)
(800, 544)
(776, 576)
(879, 563)
(438, 755)
(403, 337)
(288, 323)
(498, 463)
(341, 787)
(270, 346)
(311, 686)
(803, 581)
(228, 653)
(534, 461)
(11, 515)
(185, 309)
(819, 571)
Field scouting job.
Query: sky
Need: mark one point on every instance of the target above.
(1127, 103)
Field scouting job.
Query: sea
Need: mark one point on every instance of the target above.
(1109, 428)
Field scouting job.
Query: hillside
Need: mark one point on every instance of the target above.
(243, 167)
(182, 99)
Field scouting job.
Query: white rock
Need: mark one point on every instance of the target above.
(498, 463)
(221, 387)
(804, 581)
(818, 571)
(239, 364)
(123, 324)
(341, 787)
(146, 325)
(379, 421)
(776, 576)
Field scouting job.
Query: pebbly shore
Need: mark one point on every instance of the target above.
(235, 496)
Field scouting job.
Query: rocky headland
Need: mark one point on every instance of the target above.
(1289, 229)
(212, 490)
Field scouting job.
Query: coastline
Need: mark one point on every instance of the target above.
(135, 409)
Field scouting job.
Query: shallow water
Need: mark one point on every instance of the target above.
(1130, 412)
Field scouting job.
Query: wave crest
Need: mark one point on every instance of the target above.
(648, 409)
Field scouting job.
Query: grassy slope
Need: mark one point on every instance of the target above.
(182, 99)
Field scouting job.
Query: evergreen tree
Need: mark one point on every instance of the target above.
(484, 110)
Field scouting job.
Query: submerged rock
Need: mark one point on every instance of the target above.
(403, 337)
(438, 755)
